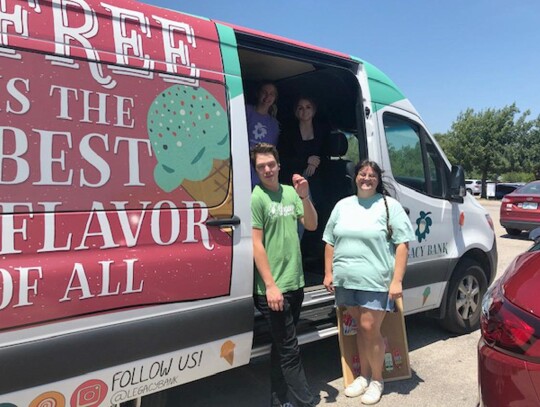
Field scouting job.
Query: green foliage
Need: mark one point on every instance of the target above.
(407, 161)
(516, 177)
(492, 142)
(352, 151)
(445, 141)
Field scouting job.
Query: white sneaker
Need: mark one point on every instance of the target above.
(373, 393)
(357, 387)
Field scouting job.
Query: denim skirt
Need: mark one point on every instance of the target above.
(375, 300)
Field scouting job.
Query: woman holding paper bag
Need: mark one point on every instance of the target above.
(367, 242)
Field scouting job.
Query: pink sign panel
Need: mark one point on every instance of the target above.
(114, 151)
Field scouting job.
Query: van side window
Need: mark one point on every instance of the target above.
(353, 151)
(415, 161)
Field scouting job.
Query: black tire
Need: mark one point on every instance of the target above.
(464, 298)
(513, 232)
(469, 191)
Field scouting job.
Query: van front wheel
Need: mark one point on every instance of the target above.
(464, 300)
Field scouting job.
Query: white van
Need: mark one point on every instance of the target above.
(125, 252)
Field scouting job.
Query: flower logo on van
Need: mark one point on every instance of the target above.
(422, 226)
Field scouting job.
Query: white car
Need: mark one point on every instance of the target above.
(473, 186)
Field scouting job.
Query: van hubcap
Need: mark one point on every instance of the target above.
(468, 297)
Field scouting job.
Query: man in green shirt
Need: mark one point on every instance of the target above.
(279, 280)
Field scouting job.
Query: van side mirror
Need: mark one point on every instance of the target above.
(457, 184)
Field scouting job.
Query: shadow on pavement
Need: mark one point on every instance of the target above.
(423, 331)
(249, 386)
(522, 236)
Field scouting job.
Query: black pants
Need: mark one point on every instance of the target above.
(287, 372)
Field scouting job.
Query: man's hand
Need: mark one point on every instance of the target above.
(300, 185)
(274, 297)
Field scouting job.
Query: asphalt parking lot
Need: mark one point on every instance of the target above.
(444, 371)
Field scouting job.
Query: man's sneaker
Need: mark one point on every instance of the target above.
(287, 404)
(373, 393)
(357, 388)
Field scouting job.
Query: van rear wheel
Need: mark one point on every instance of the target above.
(464, 299)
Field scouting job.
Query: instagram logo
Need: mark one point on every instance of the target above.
(49, 399)
(89, 394)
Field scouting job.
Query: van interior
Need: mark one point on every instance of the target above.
(330, 81)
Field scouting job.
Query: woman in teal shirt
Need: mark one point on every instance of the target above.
(367, 243)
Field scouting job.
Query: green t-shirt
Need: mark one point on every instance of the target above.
(277, 214)
(363, 257)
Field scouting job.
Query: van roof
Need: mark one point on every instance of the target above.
(383, 91)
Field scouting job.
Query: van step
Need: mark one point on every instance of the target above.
(312, 320)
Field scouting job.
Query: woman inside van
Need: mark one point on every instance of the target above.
(262, 124)
(301, 144)
(367, 242)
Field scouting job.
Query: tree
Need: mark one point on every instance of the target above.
(479, 140)
(530, 148)
(445, 141)
(518, 150)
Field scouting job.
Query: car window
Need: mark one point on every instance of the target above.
(532, 188)
(414, 159)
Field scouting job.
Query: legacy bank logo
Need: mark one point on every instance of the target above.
(423, 224)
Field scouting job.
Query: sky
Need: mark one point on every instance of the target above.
(445, 56)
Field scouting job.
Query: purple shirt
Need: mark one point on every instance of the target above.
(262, 128)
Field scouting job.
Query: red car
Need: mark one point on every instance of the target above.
(520, 210)
(509, 347)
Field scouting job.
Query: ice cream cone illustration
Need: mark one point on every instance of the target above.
(425, 295)
(189, 134)
(227, 351)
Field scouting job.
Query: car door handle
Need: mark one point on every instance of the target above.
(407, 210)
(226, 222)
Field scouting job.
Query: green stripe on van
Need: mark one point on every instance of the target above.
(382, 89)
(231, 64)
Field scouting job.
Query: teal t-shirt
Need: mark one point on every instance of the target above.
(277, 214)
(363, 257)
